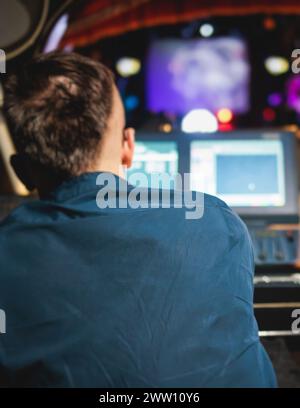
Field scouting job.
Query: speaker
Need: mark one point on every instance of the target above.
(24, 23)
(21, 23)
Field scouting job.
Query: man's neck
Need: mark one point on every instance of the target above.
(48, 184)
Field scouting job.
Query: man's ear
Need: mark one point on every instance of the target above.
(128, 147)
(23, 170)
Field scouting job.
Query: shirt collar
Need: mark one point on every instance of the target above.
(80, 185)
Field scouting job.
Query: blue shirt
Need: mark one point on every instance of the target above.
(127, 297)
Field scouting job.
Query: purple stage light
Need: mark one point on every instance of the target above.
(183, 75)
(275, 99)
(293, 93)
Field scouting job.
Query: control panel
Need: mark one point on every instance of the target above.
(274, 247)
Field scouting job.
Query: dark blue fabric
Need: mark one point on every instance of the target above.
(127, 298)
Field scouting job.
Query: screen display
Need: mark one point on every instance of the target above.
(243, 173)
(204, 73)
(152, 158)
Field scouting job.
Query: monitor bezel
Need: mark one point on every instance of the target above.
(286, 213)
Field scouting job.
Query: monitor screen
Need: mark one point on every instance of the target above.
(183, 75)
(243, 173)
(153, 157)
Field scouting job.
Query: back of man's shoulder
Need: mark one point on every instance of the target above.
(203, 223)
(208, 213)
(219, 210)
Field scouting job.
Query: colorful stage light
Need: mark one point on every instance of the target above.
(226, 127)
(224, 115)
(276, 65)
(269, 23)
(269, 114)
(166, 127)
(206, 30)
(275, 99)
(128, 66)
(199, 120)
(293, 93)
(131, 102)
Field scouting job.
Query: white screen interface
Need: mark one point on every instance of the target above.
(243, 173)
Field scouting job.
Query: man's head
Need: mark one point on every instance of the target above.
(66, 118)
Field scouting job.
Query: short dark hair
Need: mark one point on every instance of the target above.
(57, 107)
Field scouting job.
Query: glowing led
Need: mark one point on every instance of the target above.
(128, 66)
(166, 127)
(277, 65)
(224, 115)
(199, 120)
(206, 30)
(269, 114)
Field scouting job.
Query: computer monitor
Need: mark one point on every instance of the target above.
(253, 172)
(153, 157)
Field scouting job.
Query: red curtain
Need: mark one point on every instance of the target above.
(93, 20)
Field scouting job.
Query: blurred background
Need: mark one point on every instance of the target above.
(190, 67)
(230, 60)
(157, 49)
